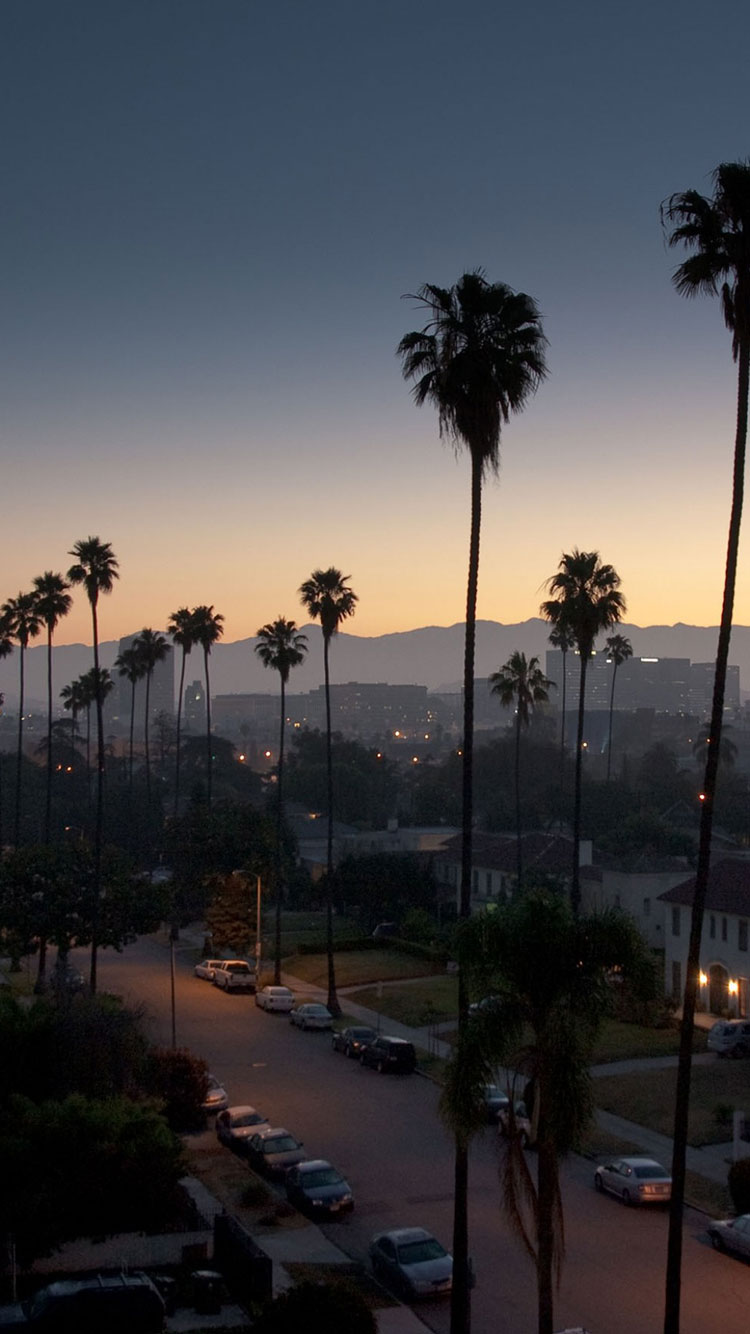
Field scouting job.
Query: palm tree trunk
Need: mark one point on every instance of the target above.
(132, 730)
(179, 727)
(146, 741)
(611, 712)
(684, 1068)
(562, 725)
(48, 797)
(460, 1294)
(519, 859)
(209, 757)
(99, 825)
(279, 821)
(19, 752)
(575, 888)
(333, 1001)
(547, 1190)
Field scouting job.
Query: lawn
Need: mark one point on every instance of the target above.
(626, 1042)
(648, 1099)
(357, 968)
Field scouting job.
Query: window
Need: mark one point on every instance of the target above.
(488, 881)
(675, 921)
(475, 880)
(646, 907)
(712, 926)
(742, 934)
(617, 901)
(723, 928)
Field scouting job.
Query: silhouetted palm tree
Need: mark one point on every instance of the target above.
(586, 601)
(727, 747)
(478, 360)
(561, 638)
(619, 649)
(280, 646)
(21, 621)
(130, 664)
(180, 627)
(716, 232)
(96, 569)
(74, 697)
(6, 648)
(522, 684)
(53, 601)
(329, 599)
(208, 627)
(151, 648)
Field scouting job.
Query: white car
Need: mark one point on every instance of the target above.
(206, 968)
(635, 1180)
(216, 1098)
(311, 1015)
(234, 975)
(280, 999)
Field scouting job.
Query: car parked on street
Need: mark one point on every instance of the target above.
(495, 1101)
(730, 1037)
(311, 1015)
(272, 1151)
(352, 1041)
(234, 975)
(217, 1098)
(519, 1123)
(731, 1234)
(315, 1187)
(412, 1262)
(635, 1180)
(235, 1125)
(390, 1055)
(117, 1303)
(278, 999)
(206, 968)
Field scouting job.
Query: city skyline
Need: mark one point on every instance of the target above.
(212, 218)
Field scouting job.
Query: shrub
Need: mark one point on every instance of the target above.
(739, 1185)
(180, 1081)
(320, 1308)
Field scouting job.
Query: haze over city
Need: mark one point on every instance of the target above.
(212, 213)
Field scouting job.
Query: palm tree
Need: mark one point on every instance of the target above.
(548, 971)
(280, 646)
(6, 648)
(716, 232)
(619, 649)
(586, 601)
(478, 361)
(329, 599)
(561, 638)
(180, 627)
(96, 568)
(53, 601)
(74, 698)
(524, 684)
(20, 621)
(208, 627)
(130, 664)
(727, 748)
(151, 647)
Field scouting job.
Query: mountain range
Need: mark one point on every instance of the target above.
(431, 656)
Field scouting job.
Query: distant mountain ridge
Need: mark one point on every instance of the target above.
(431, 656)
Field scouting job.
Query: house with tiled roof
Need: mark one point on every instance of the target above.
(494, 864)
(636, 890)
(725, 943)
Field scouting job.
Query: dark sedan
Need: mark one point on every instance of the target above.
(317, 1188)
(272, 1151)
(352, 1041)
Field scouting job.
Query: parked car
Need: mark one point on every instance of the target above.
(635, 1180)
(384, 931)
(352, 1041)
(730, 1037)
(412, 1262)
(235, 1125)
(315, 1187)
(731, 1234)
(393, 1055)
(216, 1098)
(272, 1151)
(206, 968)
(234, 975)
(311, 1015)
(280, 999)
(117, 1303)
(495, 1101)
(521, 1122)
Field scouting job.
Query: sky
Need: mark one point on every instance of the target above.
(212, 210)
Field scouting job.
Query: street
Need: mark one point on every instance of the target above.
(384, 1134)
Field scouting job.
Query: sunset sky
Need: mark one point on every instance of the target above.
(211, 212)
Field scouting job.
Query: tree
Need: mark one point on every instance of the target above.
(96, 569)
(727, 747)
(478, 361)
(131, 665)
(561, 638)
(547, 971)
(619, 649)
(21, 621)
(585, 600)
(53, 601)
(329, 599)
(280, 646)
(181, 628)
(151, 648)
(6, 648)
(716, 232)
(524, 684)
(208, 627)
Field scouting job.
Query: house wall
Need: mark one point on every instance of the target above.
(637, 893)
(724, 959)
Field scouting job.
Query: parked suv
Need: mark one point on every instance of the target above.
(390, 1054)
(730, 1037)
(234, 975)
(117, 1303)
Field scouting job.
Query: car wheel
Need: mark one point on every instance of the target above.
(717, 1242)
(598, 1183)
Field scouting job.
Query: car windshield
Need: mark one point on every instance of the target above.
(246, 1119)
(648, 1170)
(361, 1033)
(280, 1144)
(278, 991)
(416, 1252)
(314, 1009)
(325, 1176)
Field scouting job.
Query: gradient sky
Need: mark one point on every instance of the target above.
(211, 210)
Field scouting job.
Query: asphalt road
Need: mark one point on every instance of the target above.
(384, 1134)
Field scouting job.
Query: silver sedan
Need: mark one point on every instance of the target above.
(412, 1262)
(635, 1180)
(731, 1234)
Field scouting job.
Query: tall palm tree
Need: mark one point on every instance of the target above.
(6, 648)
(74, 697)
(208, 627)
(715, 231)
(619, 649)
(521, 683)
(21, 621)
(329, 599)
(152, 648)
(96, 569)
(561, 638)
(130, 664)
(53, 601)
(180, 627)
(586, 601)
(280, 646)
(478, 361)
